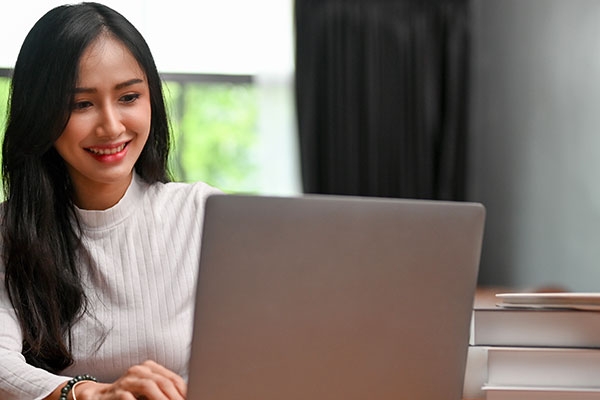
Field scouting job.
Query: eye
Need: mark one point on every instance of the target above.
(81, 105)
(129, 98)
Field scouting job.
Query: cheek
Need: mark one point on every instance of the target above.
(139, 120)
(72, 134)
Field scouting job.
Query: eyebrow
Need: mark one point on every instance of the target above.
(119, 86)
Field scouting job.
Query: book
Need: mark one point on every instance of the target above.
(535, 327)
(566, 300)
(538, 393)
(475, 373)
(543, 367)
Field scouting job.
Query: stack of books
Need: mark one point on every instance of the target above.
(537, 346)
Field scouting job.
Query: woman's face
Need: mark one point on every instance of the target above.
(109, 123)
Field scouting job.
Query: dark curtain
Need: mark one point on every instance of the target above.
(382, 96)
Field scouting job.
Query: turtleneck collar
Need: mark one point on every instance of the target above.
(106, 219)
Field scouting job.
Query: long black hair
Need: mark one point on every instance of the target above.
(40, 228)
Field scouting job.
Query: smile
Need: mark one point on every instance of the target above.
(104, 151)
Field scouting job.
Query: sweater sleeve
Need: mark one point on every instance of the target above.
(19, 380)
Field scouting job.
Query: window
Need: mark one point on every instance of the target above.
(4, 86)
(215, 131)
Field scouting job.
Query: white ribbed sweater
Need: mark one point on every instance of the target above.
(139, 267)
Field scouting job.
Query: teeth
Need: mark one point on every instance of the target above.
(103, 152)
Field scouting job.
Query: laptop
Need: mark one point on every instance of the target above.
(334, 297)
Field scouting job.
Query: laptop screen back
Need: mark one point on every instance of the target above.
(325, 297)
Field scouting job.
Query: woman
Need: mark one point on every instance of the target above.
(100, 253)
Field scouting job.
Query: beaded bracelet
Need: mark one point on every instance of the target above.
(67, 388)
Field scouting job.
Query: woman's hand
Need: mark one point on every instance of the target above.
(146, 381)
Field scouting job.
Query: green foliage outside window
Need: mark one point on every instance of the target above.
(4, 86)
(214, 129)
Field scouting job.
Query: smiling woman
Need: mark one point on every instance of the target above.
(100, 250)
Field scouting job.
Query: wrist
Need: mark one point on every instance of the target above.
(67, 393)
(78, 389)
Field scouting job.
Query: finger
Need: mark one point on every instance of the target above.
(165, 372)
(170, 388)
(158, 388)
(159, 369)
(153, 381)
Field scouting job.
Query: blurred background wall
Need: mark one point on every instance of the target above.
(535, 140)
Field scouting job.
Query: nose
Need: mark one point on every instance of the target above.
(110, 124)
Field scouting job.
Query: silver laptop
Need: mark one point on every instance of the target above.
(334, 298)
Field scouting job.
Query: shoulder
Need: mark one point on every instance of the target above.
(180, 194)
(196, 189)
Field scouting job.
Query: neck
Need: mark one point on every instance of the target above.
(101, 196)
